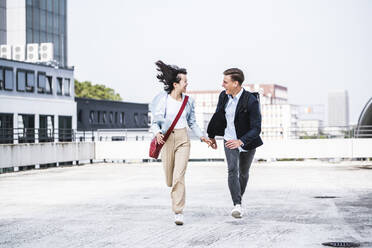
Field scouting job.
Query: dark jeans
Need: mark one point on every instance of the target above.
(238, 164)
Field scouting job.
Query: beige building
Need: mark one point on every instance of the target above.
(278, 117)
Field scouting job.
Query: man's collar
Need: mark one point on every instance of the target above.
(237, 95)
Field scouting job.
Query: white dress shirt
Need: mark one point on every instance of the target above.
(230, 133)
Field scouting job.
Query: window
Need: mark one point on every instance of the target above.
(145, 120)
(43, 36)
(62, 8)
(55, 24)
(122, 119)
(91, 116)
(65, 131)
(50, 5)
(98, 117)
(41, 82)
(111, 117)
(56, 5)
(59, 86)
(104, 117)
(80, 116)
(6, 128)
(62, 25)
(8, 75)
(136, 122)
(21, 80)
(46, 128)
(49, 88)
(36, 20)
(56, 45)
(49, 22)
(1, 78)
(43, 21)
(66, 85)
(43, 4)
(29, 36)
(26, 125)
(116, 117)
(30, 81)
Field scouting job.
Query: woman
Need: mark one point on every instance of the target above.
(176, 150)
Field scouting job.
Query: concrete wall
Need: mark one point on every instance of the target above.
(311, 148)
(43, 153)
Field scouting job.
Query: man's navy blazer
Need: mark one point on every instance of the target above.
(247, 120)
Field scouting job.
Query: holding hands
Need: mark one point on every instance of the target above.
(211, 142)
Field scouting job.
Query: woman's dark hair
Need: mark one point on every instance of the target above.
(169, 75)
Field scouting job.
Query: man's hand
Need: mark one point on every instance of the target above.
(233, 144)
(208, 141)
(213, 143)
(159, 138)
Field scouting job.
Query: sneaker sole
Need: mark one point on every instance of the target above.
(236, 214)
(179, 223)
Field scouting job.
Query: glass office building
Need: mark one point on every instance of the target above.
(2, 21)
(35, 21)
(46, 22)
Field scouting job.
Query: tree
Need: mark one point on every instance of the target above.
(96, 91)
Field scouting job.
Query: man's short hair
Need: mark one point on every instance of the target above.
(235, 74)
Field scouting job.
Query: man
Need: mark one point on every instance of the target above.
(238, 120)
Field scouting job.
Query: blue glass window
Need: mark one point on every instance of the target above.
(21, 81)
(8, 79)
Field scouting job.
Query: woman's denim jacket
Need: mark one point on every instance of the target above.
(158, 110)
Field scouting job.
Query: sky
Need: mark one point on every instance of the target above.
(311, 47)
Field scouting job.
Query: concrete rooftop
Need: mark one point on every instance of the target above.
(121, 205)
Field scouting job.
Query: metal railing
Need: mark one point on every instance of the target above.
(40, 135)
(328, 132)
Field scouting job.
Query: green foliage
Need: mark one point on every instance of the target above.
(96, 91)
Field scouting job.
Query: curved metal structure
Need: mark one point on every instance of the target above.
(364, 128)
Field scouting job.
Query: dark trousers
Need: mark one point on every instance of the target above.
(238, 164)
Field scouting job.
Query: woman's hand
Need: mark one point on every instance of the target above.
(159, 138)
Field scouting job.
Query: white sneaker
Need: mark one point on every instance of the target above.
(237, 211)
(178, 219)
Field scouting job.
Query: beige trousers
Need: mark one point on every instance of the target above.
(175, 155)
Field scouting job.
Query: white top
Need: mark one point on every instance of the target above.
(173, 106)
(230, 133)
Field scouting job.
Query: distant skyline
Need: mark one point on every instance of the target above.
(309, 46)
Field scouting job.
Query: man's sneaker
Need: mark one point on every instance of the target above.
(237, 211)
(178, 219)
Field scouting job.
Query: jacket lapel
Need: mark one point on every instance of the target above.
(240, 103)
(223, 102)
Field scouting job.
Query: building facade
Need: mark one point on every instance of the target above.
(2, 22)
(278, 117)
(35, 22)
(103, 114)
(36, 103)
(338, 108)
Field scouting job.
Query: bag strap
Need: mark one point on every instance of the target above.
(176, 119)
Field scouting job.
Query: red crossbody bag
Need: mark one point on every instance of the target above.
(155, 147)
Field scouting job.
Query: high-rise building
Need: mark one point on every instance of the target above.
(2, 21)
(35, 21)
(338, 108)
